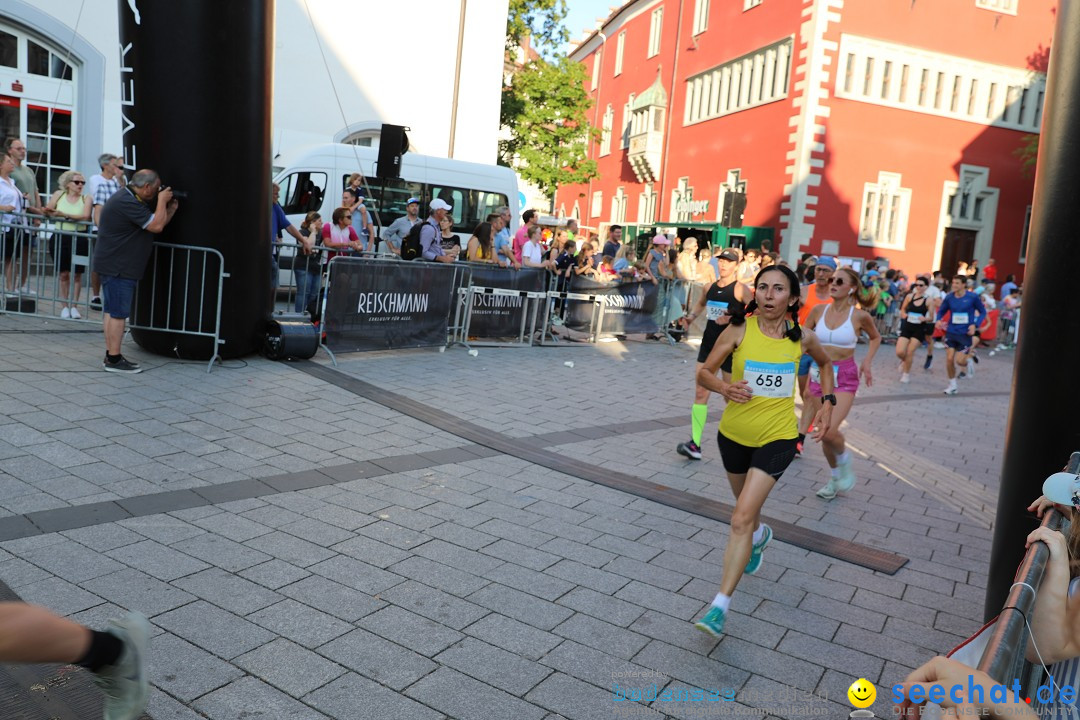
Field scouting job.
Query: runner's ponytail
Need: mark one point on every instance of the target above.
(739, 312)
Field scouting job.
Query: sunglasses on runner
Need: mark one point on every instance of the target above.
(836, 281)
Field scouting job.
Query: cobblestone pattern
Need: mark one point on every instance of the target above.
(487, 588)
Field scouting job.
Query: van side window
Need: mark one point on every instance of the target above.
(389, 198)
(487, 203)
(302, 192)
(464, 202)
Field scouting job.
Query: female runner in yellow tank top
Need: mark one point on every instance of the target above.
(759, 429)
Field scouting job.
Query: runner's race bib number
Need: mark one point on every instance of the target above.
(960, 319)
(815, 374)
(914, 318)
(773, 380)
(715, 309)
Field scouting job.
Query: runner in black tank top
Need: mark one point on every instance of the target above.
(917, 322)
(716, 303)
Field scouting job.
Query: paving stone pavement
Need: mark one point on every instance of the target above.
(485, 586)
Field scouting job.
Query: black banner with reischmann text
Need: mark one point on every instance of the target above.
(628, 307)
(382, 305)
(499, 316)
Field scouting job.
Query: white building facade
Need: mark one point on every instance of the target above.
(434, 66)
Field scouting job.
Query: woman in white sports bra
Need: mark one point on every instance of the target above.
(837, 325)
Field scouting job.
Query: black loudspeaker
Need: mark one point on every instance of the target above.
(734, 207)
(393, 143)
(290, 337)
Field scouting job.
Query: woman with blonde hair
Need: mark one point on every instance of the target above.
(71, 206)
(837, 325)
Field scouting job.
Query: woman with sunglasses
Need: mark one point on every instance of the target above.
(70, 205)
(758, 431)
(916, 320)
(838, 325)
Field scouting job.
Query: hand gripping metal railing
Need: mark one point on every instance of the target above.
(179, 295)
(1003, 657)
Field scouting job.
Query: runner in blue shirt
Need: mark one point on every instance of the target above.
(966, 312)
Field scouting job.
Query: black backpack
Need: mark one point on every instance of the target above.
(410, 244)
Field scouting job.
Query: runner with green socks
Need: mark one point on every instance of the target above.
(758, 431)
(723, 298)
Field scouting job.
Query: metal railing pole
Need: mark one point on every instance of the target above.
(1004, 654)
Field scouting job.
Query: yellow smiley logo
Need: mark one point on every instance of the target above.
(862, 693)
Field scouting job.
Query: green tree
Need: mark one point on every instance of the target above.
(540, 19)
(1028, 153)
(544, 104)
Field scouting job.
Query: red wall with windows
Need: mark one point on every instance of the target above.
(862, 139)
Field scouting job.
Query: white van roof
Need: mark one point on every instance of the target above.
(346, 155)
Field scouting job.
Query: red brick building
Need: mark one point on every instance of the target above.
(861, 128)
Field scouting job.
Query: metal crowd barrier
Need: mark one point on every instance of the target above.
(335, 318)
(185, 286)
(43, 265)
(35, 252)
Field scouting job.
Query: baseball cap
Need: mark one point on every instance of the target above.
(729, 255)
(661, 240)
(1063, 488)
(872, 273)
(827, 261)
(413, 200)
(439, 204)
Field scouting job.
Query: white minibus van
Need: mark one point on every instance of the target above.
(312, 179)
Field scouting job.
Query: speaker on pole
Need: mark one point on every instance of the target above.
(393, 143)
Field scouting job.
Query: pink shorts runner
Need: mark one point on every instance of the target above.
(847, 378)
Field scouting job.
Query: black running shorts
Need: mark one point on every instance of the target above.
(772, 458)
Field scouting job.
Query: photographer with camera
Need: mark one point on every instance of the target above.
(129, 221)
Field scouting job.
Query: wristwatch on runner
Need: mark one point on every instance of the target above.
(830, 397)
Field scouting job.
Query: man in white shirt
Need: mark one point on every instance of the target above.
(532, 255)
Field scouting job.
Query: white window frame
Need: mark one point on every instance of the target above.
(701, 16)
(627, 119)
(620, 45)
(1025, 235)
(618, 206)
(656, 27)
(748, 4)
(683, 191)
(885, 204)
(757, 78)
(597, 208)
(605, 131)
(956, 87)
(647, 205)
(596, 70)
(1005, 7)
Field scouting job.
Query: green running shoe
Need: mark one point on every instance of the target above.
(754, 562)
(713, 622)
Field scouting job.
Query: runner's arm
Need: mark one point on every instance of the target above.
(812, 346)
(866, 323)
(706, 376)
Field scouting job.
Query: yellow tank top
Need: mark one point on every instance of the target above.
(770, 367)
(70, 208)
